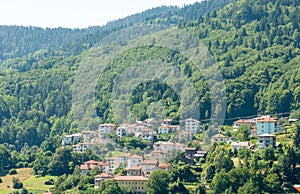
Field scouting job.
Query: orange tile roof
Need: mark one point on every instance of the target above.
(189, 148)
(103, 175)
(266, 119)
(135, 167)
(135, 157)
(244, 121)
(149, 162)
(219, 136)
(163, 165)
(84, 167)
(130, 178)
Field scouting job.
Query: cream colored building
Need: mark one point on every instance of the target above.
(137, 184)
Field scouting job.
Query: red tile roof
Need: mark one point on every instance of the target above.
(135, 157)
(149, 162)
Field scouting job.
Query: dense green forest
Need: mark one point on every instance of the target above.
(256, 45)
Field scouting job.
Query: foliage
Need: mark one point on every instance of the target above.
(17, 184)
(158, 182)
(12, 171)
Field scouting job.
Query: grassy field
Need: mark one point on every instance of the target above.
(30, 182)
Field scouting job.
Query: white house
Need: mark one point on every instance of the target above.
(239, 145)
(89, 136)
(82, 147)
(265, 140)
(219, 138)
(148, 134)
(122, 131)
(192, 125)
(71, 139)
(168, 146)
(107, 128)
(250, 123)
(134, 160)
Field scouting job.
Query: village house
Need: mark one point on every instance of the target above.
(265, 140)
(239, 145)
(168, 146)
(190, 152)
(115, 162)
(134, 171)
(91, 164)
(107, 128)
(157, 155)
(137, 184)
(82, 147)
(167, 122)
(134, 160)
(266, 125)
(164, 166)
(250, 123)
(101, 177)
(164, 129)
(122, 131)
(68, 140)
(219, 138)
(89, 136)
(148, 134)
(192, 125)
(200, 154)
(148, 166)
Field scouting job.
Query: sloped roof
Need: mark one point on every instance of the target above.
(219, 136)
(135, 157)
(131, 178)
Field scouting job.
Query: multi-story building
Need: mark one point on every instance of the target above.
(157, 155)
(219, 138)
(266, 125)
(68, 140)
(134, 160)
(107, 128)
(137, 184)
(101, 177)
(192, 125)
(265, 140)
(82, 147)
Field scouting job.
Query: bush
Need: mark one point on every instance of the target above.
(17, 184)
(12, 171)
(49, 182)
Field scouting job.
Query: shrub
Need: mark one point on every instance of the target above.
(12, 171)
(49, 182)
(17, 184)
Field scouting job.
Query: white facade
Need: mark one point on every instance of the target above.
(106, 128)
(192, 125)
(134, 160)
(266, 140)
(71, 139)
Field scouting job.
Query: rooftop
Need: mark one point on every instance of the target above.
(135, 157)
(131, 178)
(266, 135)
(149, 162)
(219, 136)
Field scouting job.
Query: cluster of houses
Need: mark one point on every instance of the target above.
(139, 168)
(262, 127)
(146, 130)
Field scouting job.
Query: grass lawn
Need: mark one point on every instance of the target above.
(30, 182)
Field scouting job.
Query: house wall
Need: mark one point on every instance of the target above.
(134, 185)
(265, 127)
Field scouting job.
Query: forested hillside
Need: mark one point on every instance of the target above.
(255, 43)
